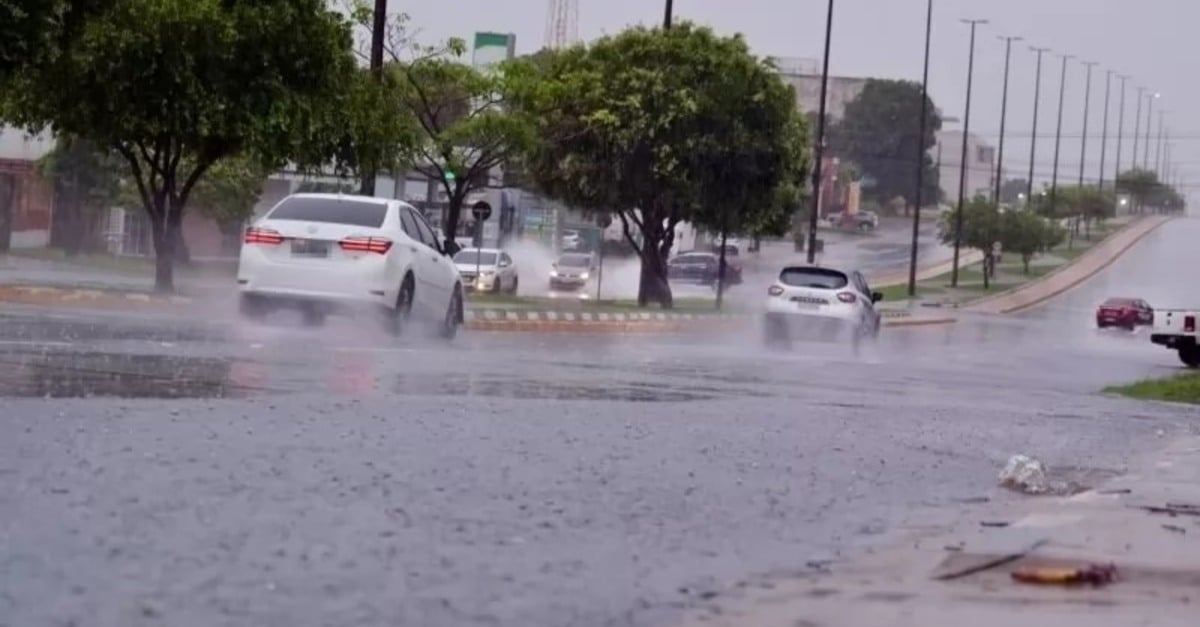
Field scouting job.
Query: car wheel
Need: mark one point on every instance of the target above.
(516, 283)
(252, 306)
(454, 315)
(1190, 356)
(395, 318)
(496, 286)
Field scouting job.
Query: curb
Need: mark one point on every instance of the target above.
(1154, 223)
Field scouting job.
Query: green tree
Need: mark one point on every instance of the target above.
(881, 133)
(1012, 192)
(982, 227)
(175, 86)
(229, 192)
(34, 31)
(1026, 233)
(639, 124)
(88, 182)
(1141, 185)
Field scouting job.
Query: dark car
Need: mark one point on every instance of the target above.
(702, 268)
(1125, 313)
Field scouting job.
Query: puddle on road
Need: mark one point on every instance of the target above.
(456, 384)
(68, 374)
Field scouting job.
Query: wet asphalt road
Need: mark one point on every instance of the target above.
(187, 472)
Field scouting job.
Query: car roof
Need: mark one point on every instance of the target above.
(344, 197)
(1120, 299)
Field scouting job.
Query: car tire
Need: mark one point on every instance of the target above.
(454, 315)
(1190, 356)
(515, 285)
(395, 318)
(252, 306)
(496, 285)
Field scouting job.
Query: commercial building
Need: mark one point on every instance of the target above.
(981, 165)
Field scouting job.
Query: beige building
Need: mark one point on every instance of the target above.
(981, 165)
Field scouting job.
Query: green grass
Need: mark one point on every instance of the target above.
(103, 262)
(508, 301)
(1183, 388)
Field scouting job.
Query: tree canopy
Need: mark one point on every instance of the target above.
(1026, 233)
(639, 124)
(88, 180)
(174, 86)
(881, 133)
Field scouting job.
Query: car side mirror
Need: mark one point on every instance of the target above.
(876, 297)
(503, 264)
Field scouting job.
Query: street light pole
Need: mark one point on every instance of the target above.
(1137, 128)
(1037, 94)
(1158, 149)
(1087, 101)
(962, 164)
(1008, 41)
(1120, 134)
(1149, 123)
(668, 14)
(1062, 90)
(378, 30)
(816, 196)
(921, 155)
(1104, 132)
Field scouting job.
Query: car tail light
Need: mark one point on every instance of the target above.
(775, 290)
(262, 236)
(1189, 324)
(378, 245)
(847, 297)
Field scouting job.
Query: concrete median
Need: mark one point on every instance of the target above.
(1088, 264)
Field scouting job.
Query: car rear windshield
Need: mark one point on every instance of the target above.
(475, 257)
(814, 277)
(1118, 302)
(366, 214)
(575, 261)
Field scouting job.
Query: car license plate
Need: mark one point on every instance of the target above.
(806, 305)
(310, 248)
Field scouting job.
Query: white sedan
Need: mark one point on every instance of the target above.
(487, 269)
(811, 300)
(322, 253)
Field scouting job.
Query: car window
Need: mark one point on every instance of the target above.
(425, 232)
(505, 258)
(409, 224)
(823, 278)
(355, 212)
(475, 257)
(575, 261)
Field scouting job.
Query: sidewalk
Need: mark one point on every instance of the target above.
(1157, 556)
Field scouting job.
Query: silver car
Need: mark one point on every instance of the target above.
(487, 269)
(572, 271)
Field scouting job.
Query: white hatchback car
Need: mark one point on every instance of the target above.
(825, 302)
(487, 269)
(321, 253)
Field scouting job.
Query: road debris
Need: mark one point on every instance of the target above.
(1173, 509)
(1095, 574)
(1024, 474)
(991, 563)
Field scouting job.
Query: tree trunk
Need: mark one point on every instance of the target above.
(721, 272)
(453, 211)
(164, 254)
(987, 268)
(653, 286)
(1025, 262)
(8, 196)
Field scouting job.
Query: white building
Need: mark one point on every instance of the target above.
(981, 165)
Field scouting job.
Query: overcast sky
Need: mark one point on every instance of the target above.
(1153, 41)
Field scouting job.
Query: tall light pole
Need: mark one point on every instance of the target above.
(816, 196)
(1037, 95)
(962, 164)
(1062, 90)
(668, 13)
(1104, 133)
(1159, 148)
(1137, 128)
(1087, 101)
(921, 155)
(1149, 123)
(1008, 42)
(1120, 134)
(378, 30)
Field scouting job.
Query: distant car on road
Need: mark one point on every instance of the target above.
(702, 267)
(1125, 313)
(822, 302)
(496, 270)
(862, 220)
(321, 253)
(572, 271)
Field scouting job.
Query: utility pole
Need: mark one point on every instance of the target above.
(1008, 42)
(962, 164)
(1033, 138)
(668, 14)
(1158, 150)
(1087, 101)
(379, 27)
(1149, 123)
(1120, 135)
(1137, 128)
(1062, 89)
(816, 196)
(1104, 133)
(921, 156)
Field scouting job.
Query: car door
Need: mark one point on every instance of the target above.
(441, 272)
(864, 295)
(510, 269)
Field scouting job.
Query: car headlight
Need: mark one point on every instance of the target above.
(584, 276)
(554, 273)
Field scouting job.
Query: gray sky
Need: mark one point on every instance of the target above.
(1150, 40)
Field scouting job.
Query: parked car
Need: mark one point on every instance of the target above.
(487, 269)
(1175, 329)
(572, 271)
(1126, 313)
(326, 253)
(862, 220)
(820, 303)
(702, 268)
(571, 239)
